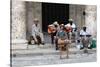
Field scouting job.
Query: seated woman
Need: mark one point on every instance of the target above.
(63, 41)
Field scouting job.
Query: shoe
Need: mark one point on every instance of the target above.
(81, 48)
(57, 49)
(89, 47)
(43, 43)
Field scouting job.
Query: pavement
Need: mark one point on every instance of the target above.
(21, 60)
(46, 55)
(49, 60)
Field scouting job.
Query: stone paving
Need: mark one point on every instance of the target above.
(44, 55)
(51, 59)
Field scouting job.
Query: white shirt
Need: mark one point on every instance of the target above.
(68, 25)
(83, 32)
(35, 30)
(73, 26)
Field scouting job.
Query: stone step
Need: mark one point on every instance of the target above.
(47, 46)
(46, 51)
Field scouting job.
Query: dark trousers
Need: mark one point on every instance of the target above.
(52, 37)
(54, 40)
(56, 44)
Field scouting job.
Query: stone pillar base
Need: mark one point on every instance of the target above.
(19, 44)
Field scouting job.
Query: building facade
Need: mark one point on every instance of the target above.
(23, 13)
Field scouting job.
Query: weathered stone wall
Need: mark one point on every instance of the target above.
(23, 14)
(76, 13)
(18, 20)
(18, 25)
(33, 10)
(91, 19)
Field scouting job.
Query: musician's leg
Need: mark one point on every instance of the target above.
(42, 38)
(52, 38)
(35, 38)
(70, 35)
(38, 39)
(56, 43)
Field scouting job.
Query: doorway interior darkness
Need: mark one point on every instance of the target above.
(54, 12)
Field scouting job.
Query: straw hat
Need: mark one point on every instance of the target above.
(51, 25)
(70, 19)
(36, 20)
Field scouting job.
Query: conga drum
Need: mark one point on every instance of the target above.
(61, 44)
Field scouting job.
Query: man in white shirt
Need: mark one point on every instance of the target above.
(36, 31)
(73, 26)
(85, 38)
(84, 31)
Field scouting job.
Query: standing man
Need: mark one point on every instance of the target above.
(37, 35)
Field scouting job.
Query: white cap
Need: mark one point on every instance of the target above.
(55, 23)
(51, 25)
(67, 25)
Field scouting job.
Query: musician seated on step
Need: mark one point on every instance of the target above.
(85, 38)
(73, 25)
(63, 41)
(37, 35)
(68, 30)
(52, 30)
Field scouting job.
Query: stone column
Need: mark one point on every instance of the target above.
(18, 25)
(33, 10)
(76, 13)
(90, 19)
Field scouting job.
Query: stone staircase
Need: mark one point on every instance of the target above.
(47, 49)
